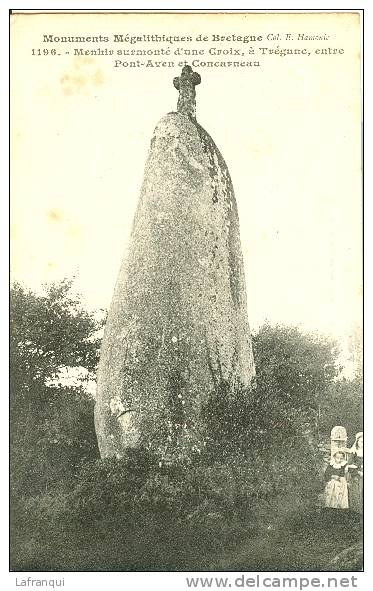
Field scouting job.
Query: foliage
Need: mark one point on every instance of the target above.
(301, 366)
(139, 484)
(52, 426)
(48, 332)
(257, 474)
(294, 373)
(158, 517)
(343, 406)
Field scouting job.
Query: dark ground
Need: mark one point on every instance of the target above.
(309, 543)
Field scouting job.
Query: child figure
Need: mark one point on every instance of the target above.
(336, 492)
(355, 474)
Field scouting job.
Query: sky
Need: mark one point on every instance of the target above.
(289, 131)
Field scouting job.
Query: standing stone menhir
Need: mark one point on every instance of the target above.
(177, 325)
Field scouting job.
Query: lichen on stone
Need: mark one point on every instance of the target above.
(178, 323)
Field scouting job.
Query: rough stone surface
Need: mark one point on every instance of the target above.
(178, 324)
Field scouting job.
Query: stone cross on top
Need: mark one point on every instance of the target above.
(185, 84)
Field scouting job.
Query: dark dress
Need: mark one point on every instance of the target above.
(355, 484)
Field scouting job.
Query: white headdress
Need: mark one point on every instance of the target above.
(354, 449)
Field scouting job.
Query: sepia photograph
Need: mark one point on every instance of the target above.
(186, 294)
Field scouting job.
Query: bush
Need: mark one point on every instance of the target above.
(136, 486)
(119, 509)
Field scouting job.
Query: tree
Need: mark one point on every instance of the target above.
(343, 405)
(51, 425)
(302, 366)
(294, 372)
(50, 331)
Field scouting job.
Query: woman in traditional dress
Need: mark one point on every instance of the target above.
(336, 492)
(354, 471)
